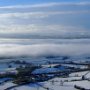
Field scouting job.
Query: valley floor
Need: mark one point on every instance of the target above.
(55, 83)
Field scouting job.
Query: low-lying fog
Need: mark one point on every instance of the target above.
(44, 47)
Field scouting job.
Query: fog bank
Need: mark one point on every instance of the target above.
(40, 50)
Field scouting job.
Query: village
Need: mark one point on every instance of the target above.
(60, 74)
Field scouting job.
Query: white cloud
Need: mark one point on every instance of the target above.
(44, 50)
(40, 29)
(38, 15)
(23, 15)
(43, 31)
(47, 5)
(14, 24)
(40, 22)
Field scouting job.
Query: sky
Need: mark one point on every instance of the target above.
(42, 19)
(23, 20)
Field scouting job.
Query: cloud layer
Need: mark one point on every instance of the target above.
(40, 50)
(43, 5)
(45, 19)
(51, 21)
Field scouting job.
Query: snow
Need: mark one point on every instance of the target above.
(67, 85)
(48, 69)
(4, 79)
(69, 82)
(45, 70)
(29, 87)
(6, 85)
(88, 75)
(78, 73)
(51, 65)
(76, 66)
(4, 66)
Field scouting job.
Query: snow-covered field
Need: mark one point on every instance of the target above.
(55, 83)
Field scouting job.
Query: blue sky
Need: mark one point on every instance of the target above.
(44, 18)
(15, 2)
